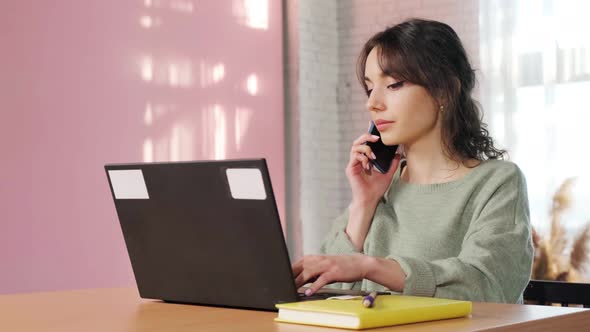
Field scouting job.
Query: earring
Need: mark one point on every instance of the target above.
(441, 108)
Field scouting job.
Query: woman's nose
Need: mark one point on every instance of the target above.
(375, 101)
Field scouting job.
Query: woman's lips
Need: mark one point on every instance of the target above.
(382, 125)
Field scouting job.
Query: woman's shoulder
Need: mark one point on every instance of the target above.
(499, 171)
(500, 165)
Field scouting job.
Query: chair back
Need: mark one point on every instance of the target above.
(565, 293)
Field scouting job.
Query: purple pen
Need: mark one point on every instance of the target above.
(369, 300)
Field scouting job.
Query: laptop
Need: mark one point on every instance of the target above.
(204, 232)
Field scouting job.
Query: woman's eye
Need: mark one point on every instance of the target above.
(396, 85)
(393, 86)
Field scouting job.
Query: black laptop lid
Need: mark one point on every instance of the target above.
(203, 232)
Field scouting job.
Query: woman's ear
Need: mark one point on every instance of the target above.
(441, 104)
(451, 93)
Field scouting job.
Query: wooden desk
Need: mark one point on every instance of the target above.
(121, 309)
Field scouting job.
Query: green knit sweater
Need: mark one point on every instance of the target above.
(466, 239)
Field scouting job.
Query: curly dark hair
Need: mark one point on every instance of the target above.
(430, 54)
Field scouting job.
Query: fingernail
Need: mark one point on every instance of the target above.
(307, 292)
(375, 136)
(368, 167)
(373, 155)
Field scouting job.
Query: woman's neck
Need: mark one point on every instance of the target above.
(427, 164)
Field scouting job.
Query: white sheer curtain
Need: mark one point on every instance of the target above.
(535, 89)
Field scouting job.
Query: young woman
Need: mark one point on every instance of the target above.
(451, 219)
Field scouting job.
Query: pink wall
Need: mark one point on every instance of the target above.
(86, 83)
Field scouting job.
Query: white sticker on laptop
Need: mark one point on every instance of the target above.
(128, 184)
(246, 183)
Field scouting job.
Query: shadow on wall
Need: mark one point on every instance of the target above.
(216, 130)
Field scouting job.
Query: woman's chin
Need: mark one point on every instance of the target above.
(390, 141)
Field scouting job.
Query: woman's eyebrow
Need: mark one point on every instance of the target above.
(381, 76)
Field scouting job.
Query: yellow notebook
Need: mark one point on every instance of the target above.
(387, 310)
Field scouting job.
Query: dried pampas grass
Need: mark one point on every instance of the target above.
(552, 261)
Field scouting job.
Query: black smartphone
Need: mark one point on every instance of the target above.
(384, 153)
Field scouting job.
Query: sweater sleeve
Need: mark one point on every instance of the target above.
(337, 241)
(496, 255)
